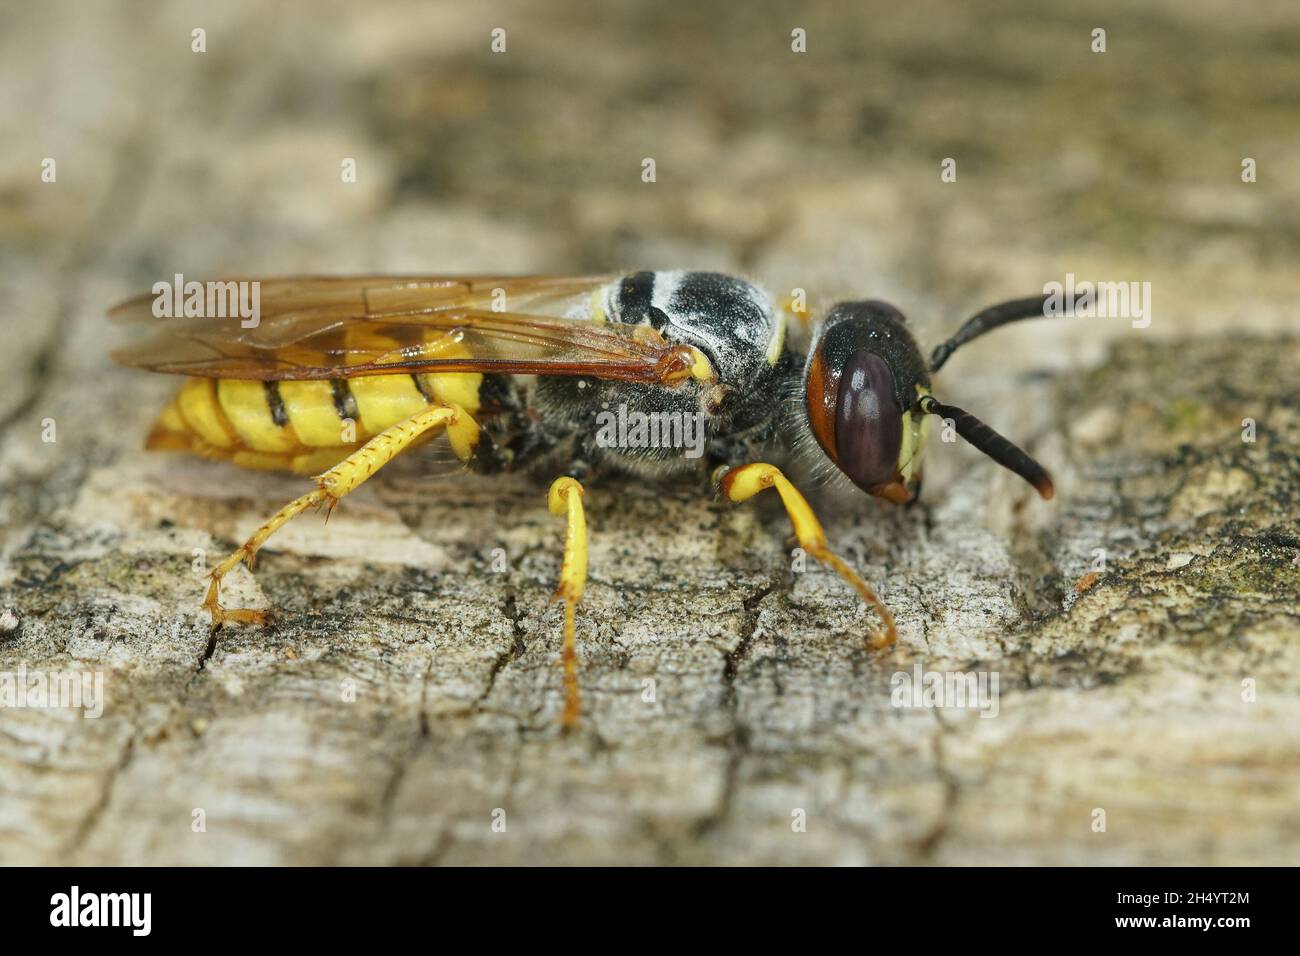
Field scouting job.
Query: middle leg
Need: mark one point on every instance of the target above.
(565, 498)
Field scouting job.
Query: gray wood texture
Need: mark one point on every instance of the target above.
(404, 709)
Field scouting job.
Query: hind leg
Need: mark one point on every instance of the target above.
(331, 486)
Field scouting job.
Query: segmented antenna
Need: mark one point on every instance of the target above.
(992, 444)
(986, 321)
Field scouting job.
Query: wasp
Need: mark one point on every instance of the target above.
(339, 376)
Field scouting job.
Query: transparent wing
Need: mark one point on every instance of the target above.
(291, 307)
(314, 328)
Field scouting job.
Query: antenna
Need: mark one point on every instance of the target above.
(987, 320)
(1001, 450)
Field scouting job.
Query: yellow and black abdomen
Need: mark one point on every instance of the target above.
(305, 426)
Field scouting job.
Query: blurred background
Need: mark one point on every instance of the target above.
(818, 170)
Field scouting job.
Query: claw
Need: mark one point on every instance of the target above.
(220, 615)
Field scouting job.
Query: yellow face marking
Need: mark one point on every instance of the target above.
(916, 429)
(597, 306)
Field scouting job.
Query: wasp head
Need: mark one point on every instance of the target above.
(862, 383)
(868, 402)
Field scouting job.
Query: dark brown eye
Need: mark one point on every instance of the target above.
(868, 421)
(863, 371)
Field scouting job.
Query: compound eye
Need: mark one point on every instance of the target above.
(868, 421)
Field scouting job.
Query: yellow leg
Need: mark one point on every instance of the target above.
(565, 498)
(332, 485)
(746, 481)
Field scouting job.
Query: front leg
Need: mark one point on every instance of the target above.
(746, 481)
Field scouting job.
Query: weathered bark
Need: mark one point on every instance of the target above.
(407, 699)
